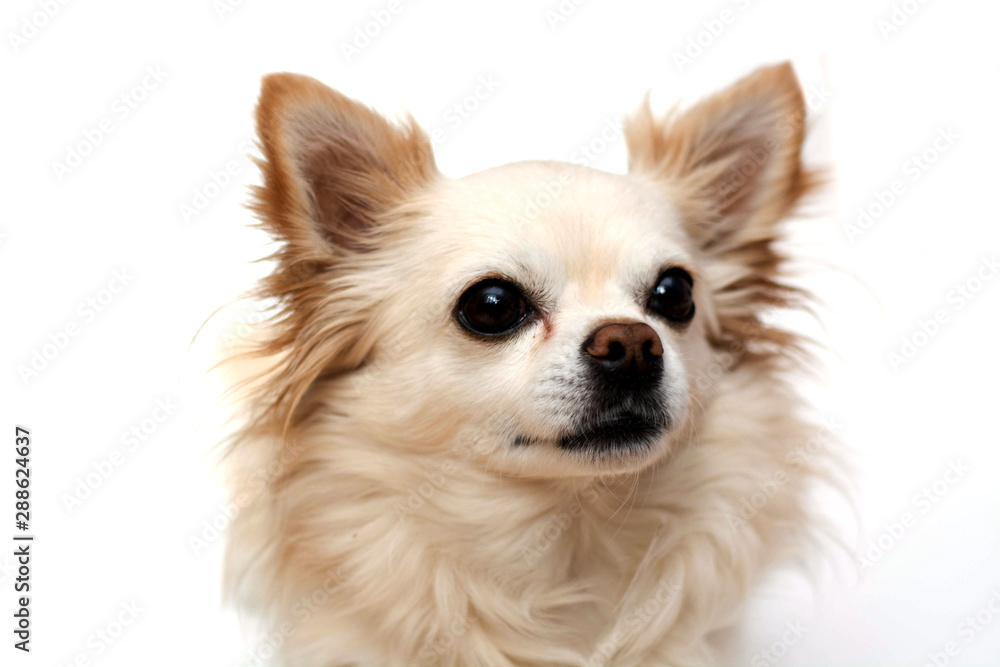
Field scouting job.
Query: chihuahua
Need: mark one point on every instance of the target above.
(522, 417)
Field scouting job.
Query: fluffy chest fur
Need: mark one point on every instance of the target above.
(431, 561)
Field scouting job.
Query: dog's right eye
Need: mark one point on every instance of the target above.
(492, 308)
(672, 297)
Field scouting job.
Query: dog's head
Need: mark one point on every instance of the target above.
(548, 318)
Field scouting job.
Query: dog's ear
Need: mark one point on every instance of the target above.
(732, 166)
(331, 168)
(335, 175)
(731, 162)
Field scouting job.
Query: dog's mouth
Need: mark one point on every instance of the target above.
(624, 432)
(621, 434)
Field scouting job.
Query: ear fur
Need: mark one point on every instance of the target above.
(331, 165)
(732, 166)
(334, 175)
(733, 159)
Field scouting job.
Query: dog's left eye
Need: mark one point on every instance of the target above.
(492, 308)
(672, 297)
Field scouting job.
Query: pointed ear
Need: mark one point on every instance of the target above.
(731, 162)
(331, 168)
(335, 174)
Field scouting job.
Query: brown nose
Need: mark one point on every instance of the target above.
(630, 350)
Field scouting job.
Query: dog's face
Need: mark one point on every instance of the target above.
(547, 312)
(547, 318)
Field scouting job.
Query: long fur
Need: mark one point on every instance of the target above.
(376, 533)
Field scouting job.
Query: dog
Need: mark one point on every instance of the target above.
(517, 418)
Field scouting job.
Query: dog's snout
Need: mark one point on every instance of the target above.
(629, 351)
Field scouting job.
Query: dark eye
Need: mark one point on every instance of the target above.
(672, 297)
(492, 307)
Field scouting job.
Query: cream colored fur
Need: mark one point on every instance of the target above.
(388, 519)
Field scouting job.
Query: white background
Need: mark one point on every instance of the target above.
(880, 96)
